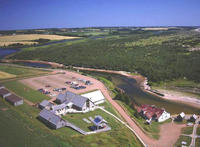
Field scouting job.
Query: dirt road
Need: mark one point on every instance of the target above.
(56, 80)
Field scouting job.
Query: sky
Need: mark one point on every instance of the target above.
(29, 14)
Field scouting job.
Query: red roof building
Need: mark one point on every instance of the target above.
(152, 112)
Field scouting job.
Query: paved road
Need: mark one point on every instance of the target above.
(194, 135)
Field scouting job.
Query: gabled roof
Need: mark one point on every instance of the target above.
(182, 114)
(61, 97)
(150, 111)
(98, 120)
(194, 116)
(50, 116)
(76, 99)
(44, 103)
(4, 91)
(13, 98)
(58, 107)
(94, 96)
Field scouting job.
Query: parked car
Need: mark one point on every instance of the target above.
(48, 86)
(46, 92)
(63, 89)
(88, 83)
(68, 82)
(82, 87)
(41, 90)
(55, 89)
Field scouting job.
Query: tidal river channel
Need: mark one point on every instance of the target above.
(132, 89)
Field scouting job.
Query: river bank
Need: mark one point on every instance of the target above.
(133, 85)
(136, 86)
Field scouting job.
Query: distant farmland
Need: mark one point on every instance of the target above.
(29, 39)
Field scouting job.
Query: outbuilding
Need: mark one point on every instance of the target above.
(1, 86)
(99, 122)
(4, 93)
(95, 96)
(193, 118)
(45, 104)
(14, 100)
(180, 117)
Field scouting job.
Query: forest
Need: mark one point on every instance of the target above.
(158, 55)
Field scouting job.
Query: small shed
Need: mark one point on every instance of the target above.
(14, 100)
(1, 86)
(45, 104)
(193, 118)
(99, 122)
(4, 93)
(180, 117)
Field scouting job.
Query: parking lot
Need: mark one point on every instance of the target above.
(52, 85)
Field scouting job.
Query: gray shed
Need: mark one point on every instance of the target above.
(52, 120)
(14, 100)
(1, 86)
(45, 104)
(4, 92)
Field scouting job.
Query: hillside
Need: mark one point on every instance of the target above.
(159, 55)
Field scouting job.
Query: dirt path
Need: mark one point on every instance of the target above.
(138, 78)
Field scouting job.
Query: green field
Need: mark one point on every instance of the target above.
(197, 143)
(26, 130)
(198, 130)
(25, 92)
(187, 130)
(183, 138)
(20, 71)
(20, 127)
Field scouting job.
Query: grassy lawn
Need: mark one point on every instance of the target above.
(183, 138)
(187, 130)
(20, 128)
(25, 92)
(78, 118)
(20, 71)
(178, 83)
(198, 130)
(121, 135)
(197, 143)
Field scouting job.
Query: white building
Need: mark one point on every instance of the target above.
(164, 116)
(95, 97)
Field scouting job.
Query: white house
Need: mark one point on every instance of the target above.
(152, 113)
(164, 116)
(96, 97)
